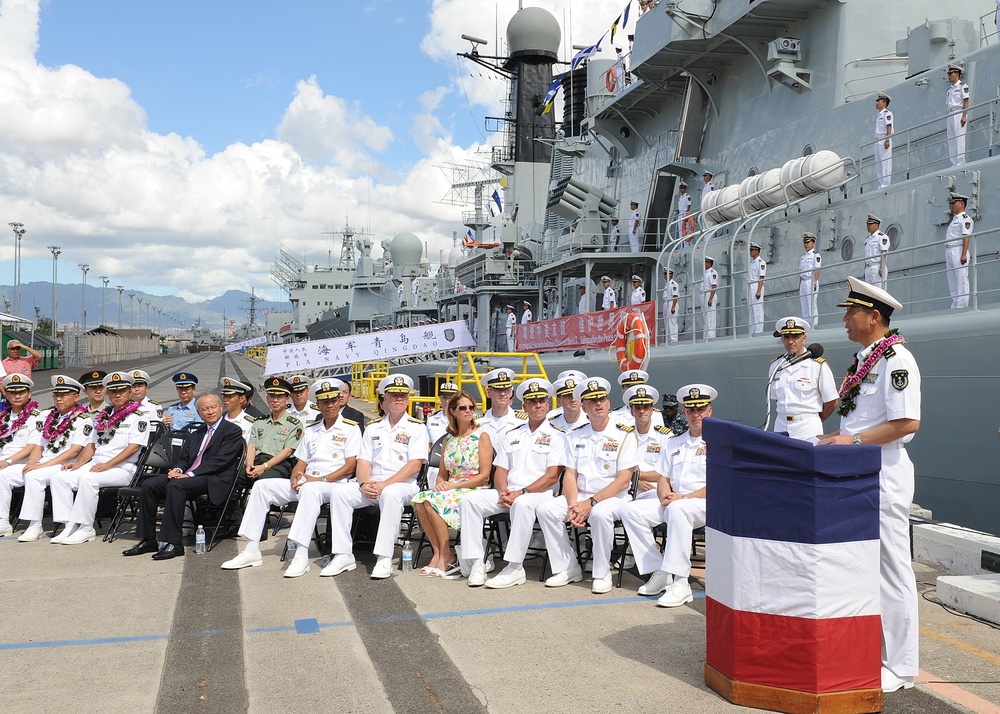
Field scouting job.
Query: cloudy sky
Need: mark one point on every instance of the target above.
(173, 145)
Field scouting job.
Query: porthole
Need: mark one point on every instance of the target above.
(847, 248)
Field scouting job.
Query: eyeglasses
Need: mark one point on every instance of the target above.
(464, 408)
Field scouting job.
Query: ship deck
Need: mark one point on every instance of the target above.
(90, 631)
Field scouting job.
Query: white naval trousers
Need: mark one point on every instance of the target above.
(807, 301)
(956, 136)
(34, 491)
(710, 314)
(83, 509)
(552, 519)
(883, 162)
(10, 478)
(635, 242)
(343, 502)
(898, 588)
(265, 493)
(311, 498)
(958, 277)
(801, 426)
(671, 321)
(510, 342)
(871, 275)
(756, 308)
(476, 505)
(682, 517)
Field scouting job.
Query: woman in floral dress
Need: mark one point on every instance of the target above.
(466, 459)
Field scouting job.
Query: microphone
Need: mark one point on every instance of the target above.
(813, 351)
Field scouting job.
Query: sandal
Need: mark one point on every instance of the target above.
(454, 572)
(427, 570)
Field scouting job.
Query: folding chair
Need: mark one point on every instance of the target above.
(619, 547)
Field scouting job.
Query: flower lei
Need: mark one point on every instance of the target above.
(7, 430)
(108, 419)
(56, 436)
(850, 388)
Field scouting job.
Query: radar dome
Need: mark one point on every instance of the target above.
(533, 31)
(406, 249)
(455, 256)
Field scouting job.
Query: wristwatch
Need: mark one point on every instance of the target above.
(857, 440)
(593, 501)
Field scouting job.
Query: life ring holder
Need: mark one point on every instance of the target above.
(631, 343)
(611, 79)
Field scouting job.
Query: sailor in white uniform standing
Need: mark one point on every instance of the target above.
(610, 301)
(635, 229)
(876, 248)
(957, 120)
(956, 251)
(638, 294)
(883, 140)
(511, 327)
(526, 312)
(684, 210)
(581, 305)
(881, 406)
(614, 236)
(805, 392)
(671, 298)
(755, 289)
(809, 266)
(709, 297)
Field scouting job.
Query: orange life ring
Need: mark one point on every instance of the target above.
(611, 79)
(631, 342)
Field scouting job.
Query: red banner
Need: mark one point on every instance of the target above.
(587, 331)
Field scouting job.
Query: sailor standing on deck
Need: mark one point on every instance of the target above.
(957, 106)
(671, 296)
(511, 328)
(634, 228)
(709, 299)
(684, 210)
(638, 294)
(610, 299)
(526, 314)
(614, 236)
(805, 391)
(881, 406)
(755, 289)
(956, 251)
(809, 265)
(876, 247)
(581, 306)
(883, 142)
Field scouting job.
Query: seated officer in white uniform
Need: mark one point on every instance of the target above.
(63, 437)
(19, 431)
(652, 440)
(118, 433)
(681, 505)
(601, 459)
(234, 401)
(140, 393)
(805, 392)
(393, 449)
(326, 455)
(528, 459)
(570, 414)
(623, 414)
(500, 391)
(299, 405)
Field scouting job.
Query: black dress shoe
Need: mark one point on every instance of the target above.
(146, 545)
(169, 551)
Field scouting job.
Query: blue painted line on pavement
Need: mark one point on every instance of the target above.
(307, 627)
(81, 643)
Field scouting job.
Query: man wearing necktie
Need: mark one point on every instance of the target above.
(207, 466)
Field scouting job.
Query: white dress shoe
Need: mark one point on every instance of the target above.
(297, 568)
(676, 595)
(892, 683)
(65, 533)
(383, 568)
(83, 534)
(507, 578)
(601, 585)
(34, 532)
(341, 562)
(5, 529)
(573, 575)
(477, 574)
(657, 583)
(244, 560)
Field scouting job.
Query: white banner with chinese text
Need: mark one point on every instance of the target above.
(385, 345)
(246, 343)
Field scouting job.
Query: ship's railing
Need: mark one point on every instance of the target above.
(923, 148)
(365, 377)
(986, 22)
(872, 82)
(472, 366)
(917, 269)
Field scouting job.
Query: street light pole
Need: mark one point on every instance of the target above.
(140, 313)
(121, 289)
(86, 269)
(131, 311)
(56, 251)
(104, 295)
(19, 231)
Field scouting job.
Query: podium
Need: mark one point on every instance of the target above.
(792, 572)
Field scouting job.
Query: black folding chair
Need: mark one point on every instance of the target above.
(202, 505)
(619, 548)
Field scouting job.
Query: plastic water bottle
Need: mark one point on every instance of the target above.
(290, 546)
(407, 557)
(199, 541)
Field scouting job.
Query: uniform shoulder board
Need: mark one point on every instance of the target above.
(558, 428)
(85, 415)
(348, 421)
(821, 360)
(521, 415)
(375, 420)
(294, 420)
(554, 416)
(776, 359)
(625, 427)
(663, 429)
(891, 352)
(153, 401)
(314, 422)
(577, 428)
(35, 412)
(414, 419)
(250, 418)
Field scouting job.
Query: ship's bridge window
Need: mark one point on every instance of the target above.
(895, 233)
(847, 248)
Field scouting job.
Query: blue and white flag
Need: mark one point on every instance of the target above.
(496, 203)
(584, 54)
(550, 96)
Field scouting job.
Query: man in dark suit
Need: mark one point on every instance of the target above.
(208, 465)
(346, 410)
